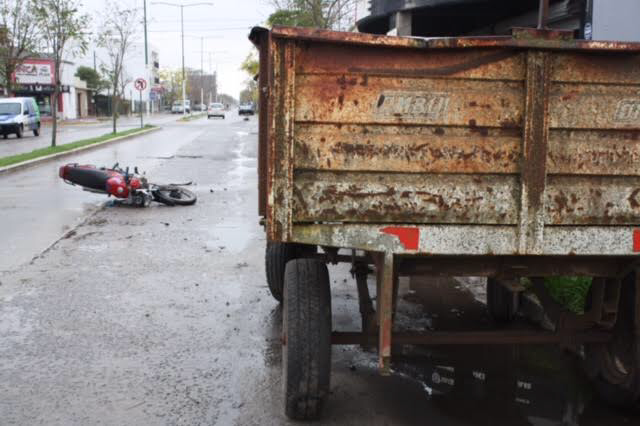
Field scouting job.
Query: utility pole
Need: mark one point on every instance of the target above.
(184, 79)
(146, 53)
(201, 72)
(146, 61)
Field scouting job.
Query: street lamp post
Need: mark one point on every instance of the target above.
(184, 80)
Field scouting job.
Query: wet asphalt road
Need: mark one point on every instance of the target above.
(162, 315)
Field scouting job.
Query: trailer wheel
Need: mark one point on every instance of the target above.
(501, 302)
(276, 257)
(306, 338)
(615, 365)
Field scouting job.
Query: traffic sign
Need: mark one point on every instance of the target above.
(140, 84)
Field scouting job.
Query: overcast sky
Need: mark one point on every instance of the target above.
(224, 26)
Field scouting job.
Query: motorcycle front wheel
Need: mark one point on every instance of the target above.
(174, 196)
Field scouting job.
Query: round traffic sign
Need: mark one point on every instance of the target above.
(140, 84)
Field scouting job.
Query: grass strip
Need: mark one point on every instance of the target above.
(193, 116)
(570, 292)
(42, 152)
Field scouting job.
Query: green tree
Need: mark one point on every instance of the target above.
(290, 18)
(18, 37)
(94, 80)
(92, 77)
(251, 66)
(64, 32)
(119, 28)
(329, 14)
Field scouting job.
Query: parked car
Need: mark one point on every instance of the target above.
(215, 110)
(246, 109)
(178, 106)
(18, 115)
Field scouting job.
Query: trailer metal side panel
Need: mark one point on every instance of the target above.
(465, 146)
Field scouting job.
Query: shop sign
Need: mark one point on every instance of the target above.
(35, 72)
(39, 88)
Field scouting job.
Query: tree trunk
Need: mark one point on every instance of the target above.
(54, 115)
(9, 85)
(54, 107)
(114, 106)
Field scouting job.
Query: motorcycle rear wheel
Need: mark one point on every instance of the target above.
(174, 196)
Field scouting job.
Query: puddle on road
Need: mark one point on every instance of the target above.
(229, 237)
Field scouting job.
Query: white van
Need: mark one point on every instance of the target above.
(18, 115)
(178, 105)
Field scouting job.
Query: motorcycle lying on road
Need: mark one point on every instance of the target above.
(129, 188)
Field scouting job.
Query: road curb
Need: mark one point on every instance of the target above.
(36, 161)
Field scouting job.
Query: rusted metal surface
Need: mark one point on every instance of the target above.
(587, 152)
(597, 200)
(409, 101)
(404, 198)
(533, 174)
(526, 38)
(280, 142)
(487, 146)
(500, 337)
(410, 149)
(473, 240)
(264, 83)
(384, 299)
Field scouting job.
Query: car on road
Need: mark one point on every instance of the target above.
(215, 110)
(179, 107)
(246, 109)
(18, 115)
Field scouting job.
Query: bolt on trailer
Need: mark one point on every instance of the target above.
(503, 157)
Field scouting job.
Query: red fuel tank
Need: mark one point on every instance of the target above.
(117, 187)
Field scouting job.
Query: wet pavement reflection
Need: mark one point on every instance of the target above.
(496, 385)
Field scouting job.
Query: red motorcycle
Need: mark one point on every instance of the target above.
(130, 188)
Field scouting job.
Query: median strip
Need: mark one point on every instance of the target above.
(193, 116)
(27, 159)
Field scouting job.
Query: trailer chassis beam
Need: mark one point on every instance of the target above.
(500, 337)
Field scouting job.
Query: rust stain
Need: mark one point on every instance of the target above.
(633, 199)
(540, 115)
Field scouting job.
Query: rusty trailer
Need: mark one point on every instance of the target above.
(503, 157)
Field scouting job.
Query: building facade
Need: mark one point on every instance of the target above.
(35, 77)
(590, 19)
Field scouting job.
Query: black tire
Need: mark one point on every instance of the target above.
(615, 366)
(19, 131)
(306, 330)
(174, 196)
(275, 260)
(36, 131)
(502, 303)
(5, 135)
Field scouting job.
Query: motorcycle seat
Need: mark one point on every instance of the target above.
(87, 176)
